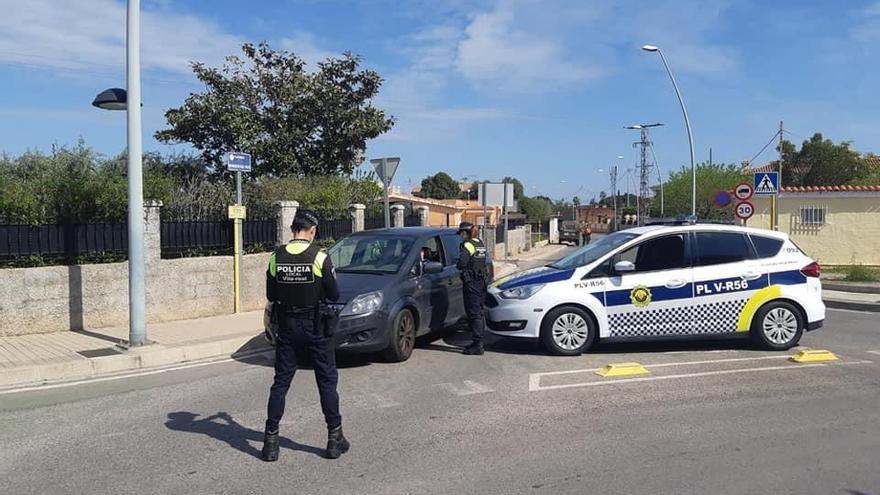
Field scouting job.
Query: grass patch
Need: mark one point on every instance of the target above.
(857, 273)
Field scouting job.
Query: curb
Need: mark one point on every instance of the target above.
(851, 287)
(852, 305)
(153, 356)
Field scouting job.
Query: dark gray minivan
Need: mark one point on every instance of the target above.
(395, 285)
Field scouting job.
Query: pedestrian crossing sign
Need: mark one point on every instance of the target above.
(766, 183)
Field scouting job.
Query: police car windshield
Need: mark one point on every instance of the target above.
(593, 251)
(381, 254)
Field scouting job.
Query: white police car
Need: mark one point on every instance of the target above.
(661, 282)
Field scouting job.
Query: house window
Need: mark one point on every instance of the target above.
(813, 215)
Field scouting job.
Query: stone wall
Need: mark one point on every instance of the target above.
(57, 298)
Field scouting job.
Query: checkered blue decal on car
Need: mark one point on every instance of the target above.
(716, 317)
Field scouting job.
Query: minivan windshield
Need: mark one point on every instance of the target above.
(378, 254)
(593, 251)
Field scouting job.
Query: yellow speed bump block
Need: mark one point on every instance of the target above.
(613, 370)
(813, 356)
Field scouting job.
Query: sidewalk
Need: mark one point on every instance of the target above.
(41, 358)
(851, 295)
(52, 357)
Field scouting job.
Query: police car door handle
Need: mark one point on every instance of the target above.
(751, 275)
(676, 283)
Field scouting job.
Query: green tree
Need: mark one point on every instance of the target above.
(518, 189)
(440, 186)
(820, 162)
(710, 180)
(292, 121)
(536, 209)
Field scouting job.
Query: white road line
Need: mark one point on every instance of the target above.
(874, 352)
(683, 375)
(129, 374)
(661, 365)
(469, 388)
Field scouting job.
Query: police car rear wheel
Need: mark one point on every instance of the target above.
(403, 337)
(777, 326)
(568, 331)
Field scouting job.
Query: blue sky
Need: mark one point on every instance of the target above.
(536, 89)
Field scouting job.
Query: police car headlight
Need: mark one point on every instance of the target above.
(522, 292)
(364, 303)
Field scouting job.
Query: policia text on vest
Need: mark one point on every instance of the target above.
(472, 263)
(299, 280)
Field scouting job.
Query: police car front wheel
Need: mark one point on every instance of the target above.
(568, 331)
(778, 326)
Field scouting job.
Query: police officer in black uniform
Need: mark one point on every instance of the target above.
(474, 275)
(299, 279)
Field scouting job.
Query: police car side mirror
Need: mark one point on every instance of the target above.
(432, 267)
(624, 267)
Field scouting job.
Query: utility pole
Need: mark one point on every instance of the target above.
(614, 196)
(644, 169)
(774, 202)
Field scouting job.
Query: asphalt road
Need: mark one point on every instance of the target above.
(714, 417)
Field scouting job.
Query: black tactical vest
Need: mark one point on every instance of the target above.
(298, 276)
(477, 263)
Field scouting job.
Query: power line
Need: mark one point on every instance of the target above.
(775, 135)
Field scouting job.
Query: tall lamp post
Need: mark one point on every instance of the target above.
(687, 123)
(129, 99)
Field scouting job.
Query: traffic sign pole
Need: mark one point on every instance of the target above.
(237, 162)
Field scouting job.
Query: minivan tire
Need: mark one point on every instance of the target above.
(568, 331)
(777, 326)
(403, 337)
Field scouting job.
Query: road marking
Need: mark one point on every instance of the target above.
(469, 388)
(535, 378)
(841, 310)
(133, 374)
(686, 375)
(873, 352)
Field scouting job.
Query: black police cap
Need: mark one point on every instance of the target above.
(465, 226)
(307, 215)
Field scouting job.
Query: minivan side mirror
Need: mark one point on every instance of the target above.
(432, 267)
(624, 266)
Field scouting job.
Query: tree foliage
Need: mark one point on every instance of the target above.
(77, 185)
(440, 186)
(536, 209)
(710, 180)
(821, 162)
(292, 121)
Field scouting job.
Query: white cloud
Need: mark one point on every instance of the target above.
(496, 53)
(90, 36)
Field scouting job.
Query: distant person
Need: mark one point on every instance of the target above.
(299, 279)
(472, 262)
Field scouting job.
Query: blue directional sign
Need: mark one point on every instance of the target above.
(237, 161)
(766, 183)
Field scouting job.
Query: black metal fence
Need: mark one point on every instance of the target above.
(214, 235)
(412, 220)
(374, 222)
(334, 229)
(60, 241)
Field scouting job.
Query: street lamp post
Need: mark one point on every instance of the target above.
(687, 123)
(130, 101)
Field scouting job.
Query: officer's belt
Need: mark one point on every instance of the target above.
(298, 311)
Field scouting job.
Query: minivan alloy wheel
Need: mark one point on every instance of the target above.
(570, 331)
(780, 325)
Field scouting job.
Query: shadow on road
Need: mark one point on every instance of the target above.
(258, 352)
(223, 427)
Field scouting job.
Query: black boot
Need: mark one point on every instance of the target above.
(475, 349)
(270, 447)
(336, 443)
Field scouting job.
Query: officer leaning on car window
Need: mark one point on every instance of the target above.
(474, 274)
(299, 280)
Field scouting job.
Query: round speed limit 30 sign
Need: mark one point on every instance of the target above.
(745, 210)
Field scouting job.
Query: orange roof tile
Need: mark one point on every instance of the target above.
(845, 188)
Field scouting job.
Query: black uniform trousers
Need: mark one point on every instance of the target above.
(300, 341)
(474, 302)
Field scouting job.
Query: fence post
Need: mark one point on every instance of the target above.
(152, 232)
(397, 215)
(424, 215)
(357, 216)
(286, 212)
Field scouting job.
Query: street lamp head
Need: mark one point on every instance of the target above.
(633, 127)
(112, 99)
(650, 48)
(620, 157)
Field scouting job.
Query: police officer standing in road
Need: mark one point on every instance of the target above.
(474, 275)
(299, 279)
